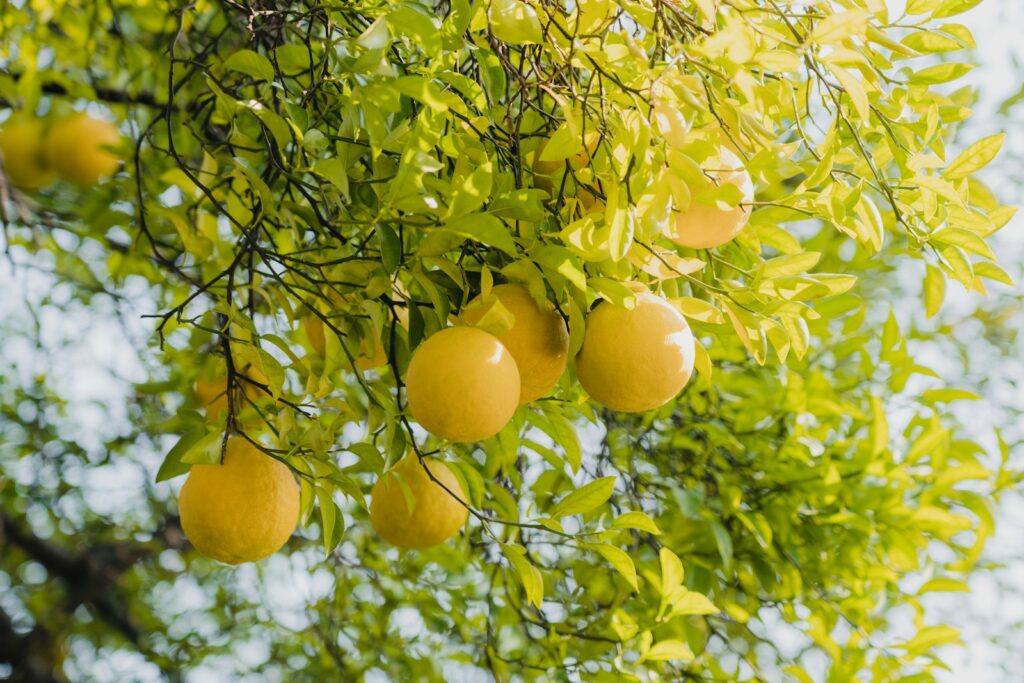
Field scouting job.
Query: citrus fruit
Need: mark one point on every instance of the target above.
(538, 339)
(462, 384)
(21, 141)
(435, 514)
(705, 226)
(241, 510)
(213, 393)
(76, 147)
(636, 359)
(371, 352)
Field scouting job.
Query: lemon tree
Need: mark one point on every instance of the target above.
(559, 337)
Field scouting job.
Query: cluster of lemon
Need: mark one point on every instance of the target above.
(464, 384)
(78, 148)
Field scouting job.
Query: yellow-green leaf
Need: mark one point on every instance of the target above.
(934, 290)
(975, 157)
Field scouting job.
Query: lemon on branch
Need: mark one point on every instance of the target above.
(462, 384)
(413, 509)
(241, 510)
(537, 339)
(708, 224)
(636, 359)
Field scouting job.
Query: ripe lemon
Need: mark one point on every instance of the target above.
(635, 360)
(703, 226)
(21, 141)
(435, 515)
(76, 147)
(213, 393)
(538, 339)
(462, 384)
(242, 510)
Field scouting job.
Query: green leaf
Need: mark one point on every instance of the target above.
(390, 247)
(839, 26)
(975, 157)
(929, 638)
(668, 650)
(332, 522)
(951, 8)
(790, 264)
(949, 395)
(515, 22)
(173, 465)
(421, 29)
(943, 585)
(693, 603)
(252, 64)
(530, 576)
(724, 543)
(941, 73)
(618, 293)
(991, 271)
(620, 560)
(879, 426)
(208, 450)
(965, 239)
(563, 143)
(671, 570)
(422, 90)
(484, 228)
(636, 520)
(585, 498)
(335, 172)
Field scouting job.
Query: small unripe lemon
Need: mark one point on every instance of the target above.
(462, 384)
(242, 510)
(704, 226)
(538, 339)
(371, 353)
(213, 393)
(76, 147)
(435, 516)
(21, 141)
(635, 360)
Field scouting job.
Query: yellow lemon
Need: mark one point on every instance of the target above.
(703, 226)
(538, 339)
(462, 384)
(213, 393)
(635, 360)
(435, 516)
(76, 147)
(21, 141)
(242, 510)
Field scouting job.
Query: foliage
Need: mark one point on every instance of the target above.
(373, 165)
